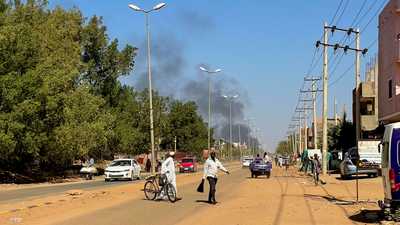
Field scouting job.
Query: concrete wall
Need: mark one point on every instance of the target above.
(389, 59)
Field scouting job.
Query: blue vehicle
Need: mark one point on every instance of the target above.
(259, 167)
(390, 149)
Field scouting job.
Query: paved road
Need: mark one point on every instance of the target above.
(140, 211)
(12, 196)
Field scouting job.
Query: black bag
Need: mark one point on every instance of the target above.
(200, 188)
(162, 180)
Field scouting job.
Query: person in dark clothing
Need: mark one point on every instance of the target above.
(316, 168)
(148, 165)
(258, 157)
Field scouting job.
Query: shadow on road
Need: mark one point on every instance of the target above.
(203, 201)
(330, 199)
(353, 178)
(257, 178)
(368, 216)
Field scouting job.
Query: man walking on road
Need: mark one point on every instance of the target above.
(316, 168)
(211, 167)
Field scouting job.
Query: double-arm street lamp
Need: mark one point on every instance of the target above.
(230, 100)
(147, 12)
(209, 72)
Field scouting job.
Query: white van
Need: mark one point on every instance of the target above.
(390, 148)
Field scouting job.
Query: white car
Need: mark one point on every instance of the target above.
(246, 161)
(122, 169)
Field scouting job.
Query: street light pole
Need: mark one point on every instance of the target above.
(230, 100)
(240, 142)
(209, 102)
(146, 12)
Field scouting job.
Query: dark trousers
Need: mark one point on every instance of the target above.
(213, 183)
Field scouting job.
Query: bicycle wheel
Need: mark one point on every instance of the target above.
(150, 190)
(171, 192)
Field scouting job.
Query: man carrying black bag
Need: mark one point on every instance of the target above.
(211, 167)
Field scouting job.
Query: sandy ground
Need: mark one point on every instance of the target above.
(290, 198)
(286, 198)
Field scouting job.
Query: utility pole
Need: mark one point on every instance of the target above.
(325, 83)
(335, 111)
(300, 144)
(357, 83)
(230, 131)
(313, 99)
(248, 136)
(325, 103)
(175, 144)
(305, 127)
(240, 142)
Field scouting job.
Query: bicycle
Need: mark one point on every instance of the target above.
(157, 184)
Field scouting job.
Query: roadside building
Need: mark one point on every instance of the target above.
(331, 123)
(389, 63)
(368, 98)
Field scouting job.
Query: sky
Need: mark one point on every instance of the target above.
(265, 48)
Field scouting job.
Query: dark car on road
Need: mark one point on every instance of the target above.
(259, 167)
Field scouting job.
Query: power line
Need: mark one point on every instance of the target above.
(373, 17)
(366, 13)
(343, 11)
(359, 13)
(337, 11)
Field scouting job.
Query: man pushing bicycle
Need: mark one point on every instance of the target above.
(168, 170)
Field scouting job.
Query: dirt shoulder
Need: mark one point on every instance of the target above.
(291, 198)
(51, 209)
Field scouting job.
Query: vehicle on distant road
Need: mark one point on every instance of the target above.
(246, 161)
(188, 164)
(259, 168)
(88, 171)
(122, 169)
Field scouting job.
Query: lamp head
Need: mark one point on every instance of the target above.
(135, 7)
(159, 6)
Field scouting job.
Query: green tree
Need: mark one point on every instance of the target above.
(104, 63)
(342, 136)
(283, 149)
(187, 126)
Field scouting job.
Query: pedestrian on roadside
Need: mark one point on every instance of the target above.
(310, 164)
(280, 161)
(266, 157)
(316, 168)
(148, 165)
(211, 167)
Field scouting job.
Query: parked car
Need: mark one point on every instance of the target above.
(259, 168)
(246, 161)
(188, 164)
(348, 167)
(127, 169)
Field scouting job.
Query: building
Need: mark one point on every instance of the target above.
(331, 123)
(368, 103)
(389, 63)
